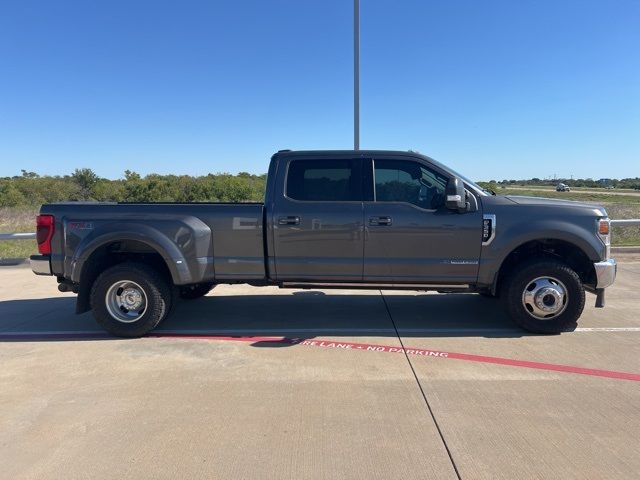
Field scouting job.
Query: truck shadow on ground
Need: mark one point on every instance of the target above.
(301, 315)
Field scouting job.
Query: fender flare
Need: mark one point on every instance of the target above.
(493, 260)
(169, 251)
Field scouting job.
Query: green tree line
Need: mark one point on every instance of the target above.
(31, 189)
(572, 182)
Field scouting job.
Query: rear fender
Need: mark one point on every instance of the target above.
(186, 248)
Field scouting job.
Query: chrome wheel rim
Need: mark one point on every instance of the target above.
(126, 301)
(544, 298)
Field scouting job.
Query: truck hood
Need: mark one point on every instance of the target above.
(554, 202)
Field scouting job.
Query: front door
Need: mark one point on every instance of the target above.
(410, 235)
(318, 221)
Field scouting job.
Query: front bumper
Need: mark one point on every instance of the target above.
(40, 264)
(605, 273)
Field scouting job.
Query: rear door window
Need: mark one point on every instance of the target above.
(324, 180)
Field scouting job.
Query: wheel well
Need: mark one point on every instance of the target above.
(566, 252)
(112, 254)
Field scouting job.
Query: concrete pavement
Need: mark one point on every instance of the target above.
(93, 406)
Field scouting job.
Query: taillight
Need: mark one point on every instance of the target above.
(44, 233)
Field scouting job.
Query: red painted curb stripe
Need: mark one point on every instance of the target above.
(635, 377)
(594, 372)
(283, 340)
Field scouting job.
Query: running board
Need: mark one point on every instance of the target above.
(375, 286)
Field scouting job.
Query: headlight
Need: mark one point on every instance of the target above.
(603, 226)
(604, 232)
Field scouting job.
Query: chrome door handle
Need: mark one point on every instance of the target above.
(381, 221)
(291, 220)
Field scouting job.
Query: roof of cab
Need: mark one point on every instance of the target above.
(341, 153)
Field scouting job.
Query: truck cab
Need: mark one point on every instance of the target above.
(372, 217)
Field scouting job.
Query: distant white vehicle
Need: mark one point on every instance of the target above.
(561, 187)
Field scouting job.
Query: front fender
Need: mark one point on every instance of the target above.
(511, 236)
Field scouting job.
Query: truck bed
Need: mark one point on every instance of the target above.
(204, 241)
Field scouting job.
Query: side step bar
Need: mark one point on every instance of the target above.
(376, 286)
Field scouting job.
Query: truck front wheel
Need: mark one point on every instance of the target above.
(544, 296)
(130, 299)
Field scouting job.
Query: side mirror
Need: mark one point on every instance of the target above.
(456, 197)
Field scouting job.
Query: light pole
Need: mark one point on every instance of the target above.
(356, 74)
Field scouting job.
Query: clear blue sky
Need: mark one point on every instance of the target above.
(496, 89)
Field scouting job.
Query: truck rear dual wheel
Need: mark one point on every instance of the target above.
(130, 299)
(544, 296)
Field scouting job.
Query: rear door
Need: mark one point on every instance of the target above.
(318, 220)
(410, 235)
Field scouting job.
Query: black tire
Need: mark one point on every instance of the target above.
(156, 294)
(533, 276)
(191, 292)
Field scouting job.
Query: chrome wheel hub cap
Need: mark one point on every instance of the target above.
(545, 298)
(126, 301)
(131, 298)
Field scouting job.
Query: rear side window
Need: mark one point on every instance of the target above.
(324, 180)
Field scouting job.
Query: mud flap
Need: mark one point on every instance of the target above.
(599, 297)
(83, 303)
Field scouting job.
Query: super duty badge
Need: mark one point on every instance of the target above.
(488, 228)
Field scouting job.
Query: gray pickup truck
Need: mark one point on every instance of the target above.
(333, 219)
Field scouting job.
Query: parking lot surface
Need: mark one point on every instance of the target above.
(268, 383)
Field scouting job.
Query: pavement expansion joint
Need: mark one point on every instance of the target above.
(424, 395)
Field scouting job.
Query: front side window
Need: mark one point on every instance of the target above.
(324, 180)
(410, 182)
